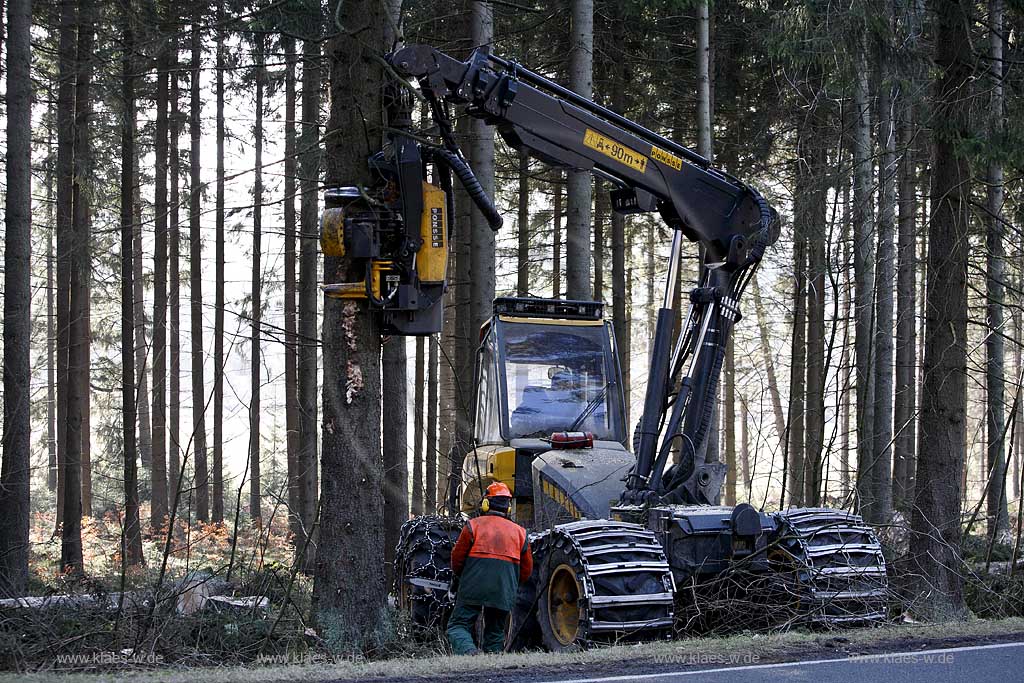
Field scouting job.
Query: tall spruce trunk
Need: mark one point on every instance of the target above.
(255, 360)
(219, 283)
(523, 227)
(158, 456)
(202, 483)
(15, 472)
(557, 214)
(141, 344)
(51, 327)
(309, 182)
(394, 442)
(578, 183)
(864, 278)
(794, 461)
(82, 216)
(998, 520)
(905, 405)
(349, 587)
(935, 522)
(67, 38)
(291, 390)
(481, 151)
(620, 321)
(131, 534)
(176, 479)
(417, 428)
(880, 510)
(431, 445)
(817, 372)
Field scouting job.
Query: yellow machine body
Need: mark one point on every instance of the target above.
(432, 258)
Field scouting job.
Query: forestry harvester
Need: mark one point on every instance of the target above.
(625, 543)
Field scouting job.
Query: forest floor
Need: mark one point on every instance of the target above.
(622, 660)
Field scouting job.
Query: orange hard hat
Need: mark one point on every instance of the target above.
(498, 489)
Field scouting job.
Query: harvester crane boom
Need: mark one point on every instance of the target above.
(729, 219)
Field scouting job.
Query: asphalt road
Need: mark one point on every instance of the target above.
(1001, 663)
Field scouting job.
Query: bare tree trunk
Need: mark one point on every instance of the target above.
(523, 226)
(80, 316)
(845, 362)
(256, 360)
(291, 341)
(431, 446)
(202, 484)
(556, 239)
(995, 355)
(417, 430)
(64, 228)
(745, 418)
(769, 362)
(141, 344)
(354, 589)
(864, 279)
(578, 183)
(175, 463)
(158, 456)
(936, 518)
(131, 536)
(482, 157)
(51, 322)
(219, 286)
(15, 472)
(309, 177)
(880, 511)
(620, 323)
(817, 372)
(601, 210)
(730, 423)
(798, 368)
(395, 446)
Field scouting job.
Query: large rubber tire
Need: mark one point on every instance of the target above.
(561, 608)
(423, 571)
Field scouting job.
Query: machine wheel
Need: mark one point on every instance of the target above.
(600, 580)
(423, 572)
(561, 613)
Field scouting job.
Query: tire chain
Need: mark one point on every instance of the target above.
(423, 568)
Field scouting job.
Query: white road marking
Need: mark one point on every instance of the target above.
(781, 665)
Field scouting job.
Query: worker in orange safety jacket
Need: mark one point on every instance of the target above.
(491, 558)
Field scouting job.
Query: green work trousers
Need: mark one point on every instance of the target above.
(461, 625)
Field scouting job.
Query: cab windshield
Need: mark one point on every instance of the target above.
(557, 378)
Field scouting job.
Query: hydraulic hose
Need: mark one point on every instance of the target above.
(472, 186)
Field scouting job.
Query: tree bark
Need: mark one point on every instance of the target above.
(795, 472)
(769, 362)
(219, 283)
(309, 181)
(620, 321)
(65, 228)
(556, 235)
(291, 342)
(159, 455)
(817, 372)
(864, 279)
(523, 227)
(175, 463)
(481, 152)
(998, 520)
(202, 484)
(131, 536)
(395, 446)
(349, 583)
(15, 472)
(905, 404)
(880, 510)
(51, 326)
(431, 445)
(256, 360)
(578, 183)
(417, 429)
(82, 216)
(936, 518)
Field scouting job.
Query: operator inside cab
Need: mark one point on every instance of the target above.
(491, 558)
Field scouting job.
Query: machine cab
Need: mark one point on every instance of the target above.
(545, 366)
